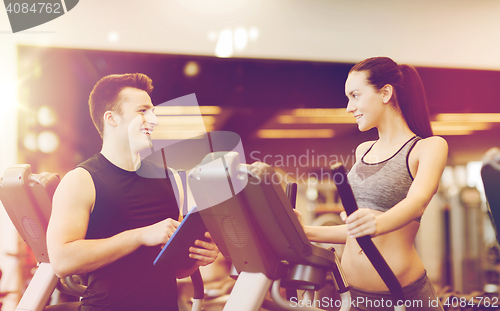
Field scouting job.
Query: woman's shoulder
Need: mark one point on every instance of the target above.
(360, 150)
(433, 142)
(431, 147)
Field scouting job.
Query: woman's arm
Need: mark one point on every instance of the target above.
(431, 158)
(324, 234)
(327, 234)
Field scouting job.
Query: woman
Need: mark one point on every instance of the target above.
(393, 180)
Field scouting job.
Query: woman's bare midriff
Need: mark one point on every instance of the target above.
(398, 250)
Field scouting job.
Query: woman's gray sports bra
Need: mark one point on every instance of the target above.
(380, 186)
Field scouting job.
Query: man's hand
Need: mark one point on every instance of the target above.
(205, 253)
(158, 233)
(360, 223)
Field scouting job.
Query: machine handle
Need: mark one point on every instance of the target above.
(339, 177)
(291, 193)
(199, 290)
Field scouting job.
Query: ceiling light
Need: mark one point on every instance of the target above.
(191, 69)
(253, 33)
(224, 47)
(187, 120)
(187, 110)
(303, 133)
(316, 116)
(183, 128)
(468, 117)
(316, 119)
(113, 36)
(457, 132)
(459, 126)
(302, 112)
(174, 135)
(240, 38)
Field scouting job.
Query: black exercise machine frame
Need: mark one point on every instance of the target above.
(273, 242)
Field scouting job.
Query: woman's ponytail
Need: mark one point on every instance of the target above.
(412, 102)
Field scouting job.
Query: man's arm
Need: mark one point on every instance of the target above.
(69, 252)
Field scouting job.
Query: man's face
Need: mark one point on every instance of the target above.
(137, 119)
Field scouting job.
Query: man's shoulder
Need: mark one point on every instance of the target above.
(92, 164)
(78, 180)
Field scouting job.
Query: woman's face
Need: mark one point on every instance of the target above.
(365, 103)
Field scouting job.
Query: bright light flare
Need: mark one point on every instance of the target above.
(113, 36)
(7, 95)
(253, 33)
(46, 116)
(47, 141)
(240, 38)
(224, 46)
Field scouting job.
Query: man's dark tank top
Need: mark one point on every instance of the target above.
(124, 200)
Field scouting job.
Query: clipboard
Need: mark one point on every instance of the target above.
(176, 252)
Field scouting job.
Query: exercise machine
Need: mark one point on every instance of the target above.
(490, 174)
(256, 228)
(27, 198)
(488, 298)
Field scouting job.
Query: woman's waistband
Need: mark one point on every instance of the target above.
(407, 290)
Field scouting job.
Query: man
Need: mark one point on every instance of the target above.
(107, 221)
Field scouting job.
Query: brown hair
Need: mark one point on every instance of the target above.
(408, 95)
(105, 95)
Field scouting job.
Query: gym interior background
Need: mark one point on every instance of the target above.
(272, 72)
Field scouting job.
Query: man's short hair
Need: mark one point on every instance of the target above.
(105, 95)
